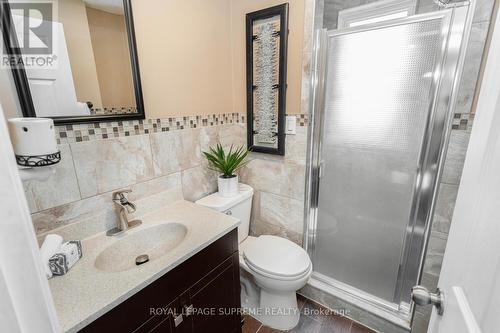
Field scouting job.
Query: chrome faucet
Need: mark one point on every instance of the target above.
(124, 207)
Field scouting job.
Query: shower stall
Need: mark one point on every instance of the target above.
(384, 86)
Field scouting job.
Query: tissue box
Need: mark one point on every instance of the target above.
(61, 262)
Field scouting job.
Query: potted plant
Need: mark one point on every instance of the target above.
(227, 164)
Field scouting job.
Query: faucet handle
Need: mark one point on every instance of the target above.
(120, 199)
(120, 195)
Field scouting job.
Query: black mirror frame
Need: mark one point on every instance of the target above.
(21, 80)
(282, 11)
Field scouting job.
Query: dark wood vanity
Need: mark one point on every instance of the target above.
(200, 295)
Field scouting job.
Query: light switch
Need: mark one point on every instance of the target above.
(291, 125)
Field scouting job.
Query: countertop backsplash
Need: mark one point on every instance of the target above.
(149, 157)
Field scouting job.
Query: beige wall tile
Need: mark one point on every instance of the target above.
(209, 137)
(275, 176)
(258, 228)
(235, 134)
(472, 65)
(435, 253)
(281, 211)
(444, 208)
(175, 151)
(455, 157)
(66, 214)
(198, 182)
(296, 146)
(155, 186)
(110, 164)
(59, 189)
(484, 8)
(101, 205)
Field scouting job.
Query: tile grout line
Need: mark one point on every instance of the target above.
(75, 173)
(109, 192)
(150, 141)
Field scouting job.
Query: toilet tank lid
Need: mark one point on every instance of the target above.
(215, 201)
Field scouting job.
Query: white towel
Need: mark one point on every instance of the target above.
(69, 253)
(51, 245)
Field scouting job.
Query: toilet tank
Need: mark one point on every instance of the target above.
(239, 207)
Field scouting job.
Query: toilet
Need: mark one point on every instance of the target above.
(272, 268)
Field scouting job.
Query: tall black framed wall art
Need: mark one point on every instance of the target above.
(266, 60)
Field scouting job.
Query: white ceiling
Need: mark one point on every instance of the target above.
(110, 6)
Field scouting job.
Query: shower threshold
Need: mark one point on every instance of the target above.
(397, 314)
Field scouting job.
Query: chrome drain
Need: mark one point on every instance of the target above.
(142, 259)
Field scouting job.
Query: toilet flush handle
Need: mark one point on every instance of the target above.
(229, 212)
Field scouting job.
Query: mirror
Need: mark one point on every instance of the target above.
(78, 63)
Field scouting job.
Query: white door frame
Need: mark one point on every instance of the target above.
(26, 303)
(469, 276)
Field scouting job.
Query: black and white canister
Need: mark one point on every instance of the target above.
(34, 141)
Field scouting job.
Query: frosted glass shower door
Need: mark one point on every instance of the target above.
(379, 89)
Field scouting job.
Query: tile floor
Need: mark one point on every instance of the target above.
(314, 319)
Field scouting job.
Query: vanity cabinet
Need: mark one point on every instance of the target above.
(200, 295)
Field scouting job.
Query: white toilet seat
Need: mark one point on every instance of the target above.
(275, 257)
(256, 270)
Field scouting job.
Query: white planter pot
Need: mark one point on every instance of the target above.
(228, 187)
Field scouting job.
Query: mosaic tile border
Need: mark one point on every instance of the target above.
(113, 110)
(109, 130)
(302, 119)
(115, 129)
(461, 121)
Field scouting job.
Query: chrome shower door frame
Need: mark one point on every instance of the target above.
(447, 75)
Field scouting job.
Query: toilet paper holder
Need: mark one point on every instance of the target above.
(35, 147)
(38, 160)
(37, 167)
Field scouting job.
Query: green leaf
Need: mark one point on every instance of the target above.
(228, 163)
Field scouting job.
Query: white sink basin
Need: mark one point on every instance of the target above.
(154, 242)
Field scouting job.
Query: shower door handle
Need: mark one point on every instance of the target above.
(421, 296)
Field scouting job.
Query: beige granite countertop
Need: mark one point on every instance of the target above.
(85, 292)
